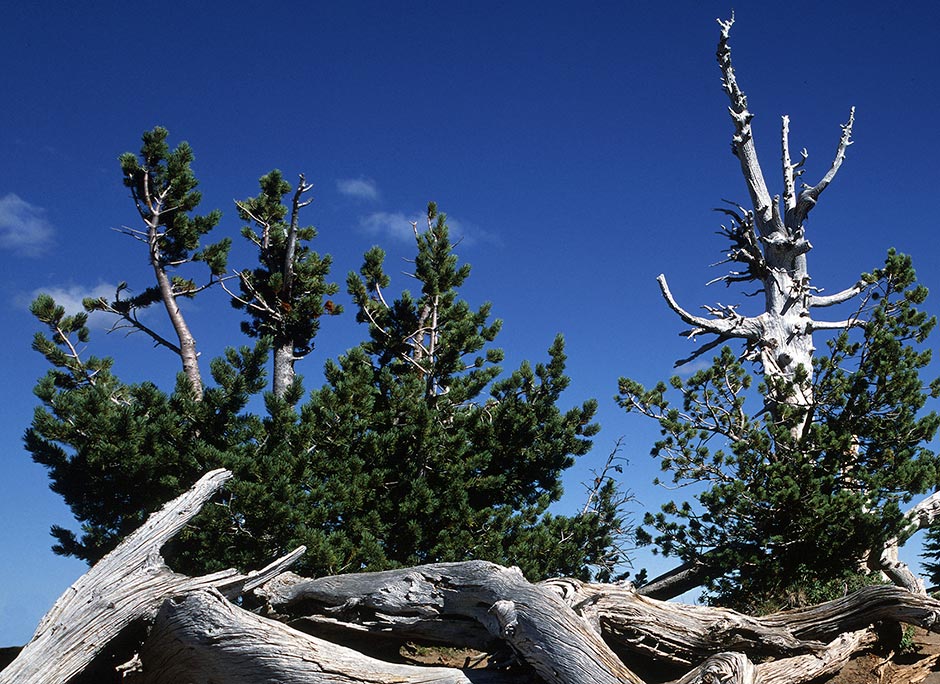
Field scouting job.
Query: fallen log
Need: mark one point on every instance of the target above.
(559, 645)
(434, 602)
(127, 585)
(202, 637)
(557, 627)
(685, 634)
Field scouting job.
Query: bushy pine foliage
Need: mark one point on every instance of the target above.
(779, 506)
(416, 449)
(441, 458)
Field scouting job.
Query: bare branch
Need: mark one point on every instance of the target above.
(721, 339)
(131, 321)
(731, 326)
(743, 141)
(839, 297)
(789, 185)
(837, 325)
(810, 195)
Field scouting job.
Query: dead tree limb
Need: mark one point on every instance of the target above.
(204, 638)
(128, 584)
(561, 646)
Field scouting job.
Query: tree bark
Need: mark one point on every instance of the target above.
(685, 634)
(556, 627)
(204, 638)
(168, 295)
(129, 583)
(560, 645)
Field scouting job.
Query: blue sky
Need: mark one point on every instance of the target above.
(578, 148)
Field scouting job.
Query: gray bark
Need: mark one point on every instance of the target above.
(540, 627)
(204, 638)
(168, 295)
(284, 358)
(561, 628)
(129, 583)
(769, 239)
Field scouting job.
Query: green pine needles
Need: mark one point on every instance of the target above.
(417, 448)
(778, 508)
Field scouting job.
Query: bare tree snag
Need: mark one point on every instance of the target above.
(129, 583)
(769, 240)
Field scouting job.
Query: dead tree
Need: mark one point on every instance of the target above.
(769, 241)
(769, 248)
(564, 631)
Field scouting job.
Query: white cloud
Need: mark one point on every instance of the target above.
(24, 229)
(688, 369)
(395, 225)
(400, 226)
(360, 188)
(70, 298)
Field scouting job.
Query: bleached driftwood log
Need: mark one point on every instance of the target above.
(561, 646)
(555, 626)
(446, 601)
(128, 584)
(202, 637)
(685, 634)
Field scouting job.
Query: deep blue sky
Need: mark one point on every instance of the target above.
(578, 148)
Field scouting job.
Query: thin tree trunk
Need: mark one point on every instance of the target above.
(187, 343)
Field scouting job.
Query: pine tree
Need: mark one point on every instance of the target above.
(782, 513)
(116, 452)
(416, 448)
(163, 187)
(820, 437)
(284, 295)
(430, 455)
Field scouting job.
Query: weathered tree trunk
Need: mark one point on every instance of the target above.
(684, 634)
(770, 241)
(284, 358)
(555, 627)
(129, 583)
(561, 646)
(204, 638)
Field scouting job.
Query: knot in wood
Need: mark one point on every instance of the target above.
(506, 616)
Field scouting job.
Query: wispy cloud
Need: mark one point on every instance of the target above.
(693, 367)
(70, 298)
(360, 188)
(24, 229)
(395, 225)
(469, 235)
(400, 226)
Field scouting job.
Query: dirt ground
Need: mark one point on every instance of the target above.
(918, 665)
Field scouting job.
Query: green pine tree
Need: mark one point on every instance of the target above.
(116, 452)
(284, 295)
(782, 513)
(801, 478)
(415, 449)
(428, 454)
(163, 187)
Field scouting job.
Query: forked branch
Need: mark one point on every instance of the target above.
(729, 325)
(743, 141)
(809, 195)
